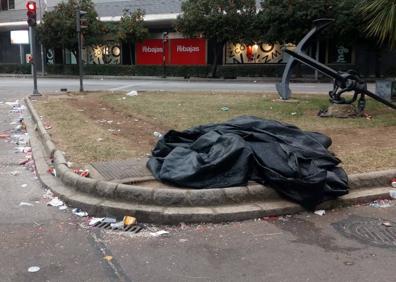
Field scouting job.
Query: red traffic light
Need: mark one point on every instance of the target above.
(31, 6)
(31, 13)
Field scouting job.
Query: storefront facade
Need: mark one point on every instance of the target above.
(174, 49)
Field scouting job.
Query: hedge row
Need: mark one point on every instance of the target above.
(226, 71)
(15, 68)
(131, 70)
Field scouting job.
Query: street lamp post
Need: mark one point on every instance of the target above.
(32, 22)
(164, 40)
(80, 24)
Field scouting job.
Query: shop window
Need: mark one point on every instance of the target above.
(340, 54)
(104, 54)
(7, 5)
(11, 4)
(261, 53)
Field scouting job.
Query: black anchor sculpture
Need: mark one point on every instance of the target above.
(343, 81)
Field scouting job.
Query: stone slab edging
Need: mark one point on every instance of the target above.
(166, 205)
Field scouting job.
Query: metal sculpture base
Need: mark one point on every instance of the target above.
(340, 111)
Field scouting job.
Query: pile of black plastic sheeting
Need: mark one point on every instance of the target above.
(294, 162)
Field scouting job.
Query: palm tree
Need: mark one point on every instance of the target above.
(380, 19)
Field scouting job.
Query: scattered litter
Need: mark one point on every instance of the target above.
(63, 89)
(108, 258)
(293, 113)
(183, 240)
(320, 212)
(271, 218)
(109, 220)
(33, 269)
(14, 173)
(52, 171)
(393, 182)
(48, 194)
(17, 108)
(55, 202)
(25, 161)
(225, 109)
(157, 134)
(24, 185)
(79, 212)
(4, 135)
(159, 233)
(95, 220)
(99, 139)
(392, 194)
(380, 204)
(23, 149)
(81, 172)
(62, 208)
(13, 104)
(367, 116)
(132, 93)
(117, 225)
(129, 220)
(387, 224)
(21, 204)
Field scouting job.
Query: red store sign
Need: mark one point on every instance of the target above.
(177, 52)
(188, 51)
(150, 52)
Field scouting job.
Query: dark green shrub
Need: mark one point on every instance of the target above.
(15, 68)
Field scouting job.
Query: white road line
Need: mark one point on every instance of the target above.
(125, 86)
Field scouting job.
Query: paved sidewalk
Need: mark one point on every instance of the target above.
(38, 235)
(303, 247)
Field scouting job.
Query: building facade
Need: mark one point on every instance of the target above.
(160, 16)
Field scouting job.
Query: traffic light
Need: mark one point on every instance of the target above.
(31, 13)
(83, 20)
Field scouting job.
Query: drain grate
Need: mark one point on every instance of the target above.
(129, 228)
(122, 169)
(368, 231)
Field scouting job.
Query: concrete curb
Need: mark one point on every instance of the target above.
(167, 205)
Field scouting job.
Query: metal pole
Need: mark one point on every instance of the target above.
(317, 58)
(79, 49)
(42, 60)
(34, 56)
(163, 58)
(21, 54)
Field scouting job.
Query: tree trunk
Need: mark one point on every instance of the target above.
(130, 52)
(214, 64)
(64, 55)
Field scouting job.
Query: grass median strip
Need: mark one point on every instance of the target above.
(106, 126)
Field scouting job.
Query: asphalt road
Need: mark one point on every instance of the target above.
(25, 85)
(304, 247)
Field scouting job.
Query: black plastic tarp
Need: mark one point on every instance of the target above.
(294, 162)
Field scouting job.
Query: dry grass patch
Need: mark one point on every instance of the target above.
(105, 126)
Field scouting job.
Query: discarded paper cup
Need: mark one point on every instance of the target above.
(129, 220)
(392, 194)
